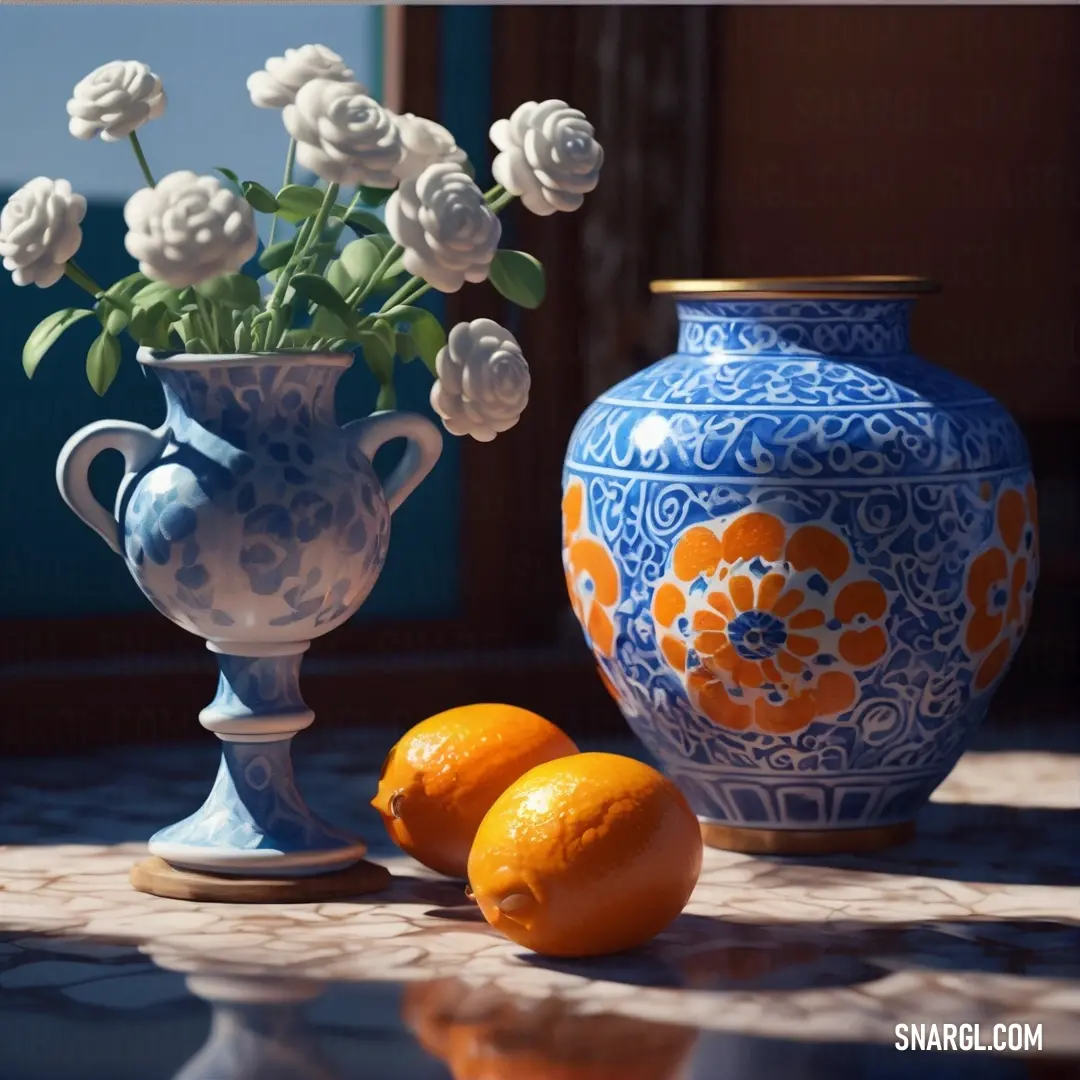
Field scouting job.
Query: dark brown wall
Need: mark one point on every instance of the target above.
(916, 140)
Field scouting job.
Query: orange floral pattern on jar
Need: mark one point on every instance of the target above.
(1000, 585)
(769, 625)
(592, 578)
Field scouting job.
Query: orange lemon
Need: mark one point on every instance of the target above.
(587, 855)
(442, 777)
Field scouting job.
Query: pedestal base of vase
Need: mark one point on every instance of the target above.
(157, 877)
(804, 841)
(255, 823)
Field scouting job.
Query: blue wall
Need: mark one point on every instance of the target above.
(50, 563)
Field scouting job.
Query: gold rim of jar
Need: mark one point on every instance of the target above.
(879, 286)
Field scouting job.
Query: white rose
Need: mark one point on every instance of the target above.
(483, 383)
(189, 229)
(548, 156)
(447, 230)
(342, 135)
(114, 101)
(39, 231)
(275, 86)
(424, 143)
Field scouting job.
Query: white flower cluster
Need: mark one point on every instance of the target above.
(40, 230)
(187, 228)
(277, 84)
(114, 100)
(483, 383)
(548, 156)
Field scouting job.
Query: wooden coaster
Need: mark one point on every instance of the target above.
(805, 841)
(157, 877)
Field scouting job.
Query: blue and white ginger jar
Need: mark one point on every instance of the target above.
(803, 558)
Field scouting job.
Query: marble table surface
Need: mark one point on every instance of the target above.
(796, 966)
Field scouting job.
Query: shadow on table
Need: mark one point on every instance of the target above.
(709, 953)
(1005, 845)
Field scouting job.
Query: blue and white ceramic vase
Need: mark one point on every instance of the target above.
(803, 558)
(253, 519)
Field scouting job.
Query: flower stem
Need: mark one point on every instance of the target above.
(308, 237)
(348, 210)
(281, 286)
(137, 147)
(500, 203)
(82, 278)
(321, 217)
(406, 294)
(362, 292)
(290, 163)
(208, 320)
(494, 193)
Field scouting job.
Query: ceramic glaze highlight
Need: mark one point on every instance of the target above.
(803, 558)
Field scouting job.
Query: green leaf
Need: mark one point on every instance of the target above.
(339, 277)
(277, 255)
(187, 328)
(300, 339)
(124, 290)
(319, 291)
(519, 277)
(150, 326)
(259, 198)
(386, 332)
(158, 292)
(377, 356)
(298, 201)
(232, 291)
(395, 269)
(425, 331)
(383, 241)
(242, 338)
(111, 314)
(360, 259)
(361, 219)
(103, 362)
(405, 347)
(387, 398)
(229, 175)
(373, 196)
(45, 335)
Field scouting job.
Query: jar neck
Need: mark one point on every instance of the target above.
(730, 329)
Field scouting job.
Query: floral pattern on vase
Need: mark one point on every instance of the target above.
(825, 551)
(1000, 585)
(769, 626)
(592, 576)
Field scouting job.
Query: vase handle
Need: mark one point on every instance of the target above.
(136, 442)
(422, 450)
